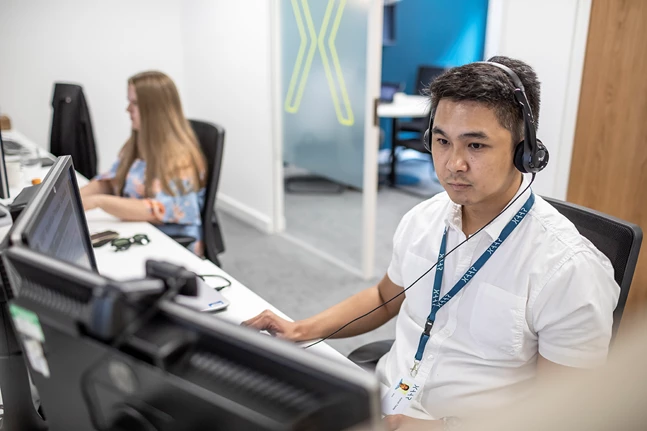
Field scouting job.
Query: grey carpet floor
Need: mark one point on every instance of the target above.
(332, 223)
(299, 283)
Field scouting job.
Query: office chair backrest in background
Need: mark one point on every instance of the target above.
(71, 132)
(212, 141)
(619, 240)
(425, 75)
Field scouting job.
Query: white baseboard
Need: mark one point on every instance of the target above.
(244, 213)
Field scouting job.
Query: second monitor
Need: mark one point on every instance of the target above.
(53, 222)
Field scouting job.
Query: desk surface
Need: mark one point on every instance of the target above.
(129, 264)
(404, 106)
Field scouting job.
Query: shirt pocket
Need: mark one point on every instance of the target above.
(418, 297)
(497, 321)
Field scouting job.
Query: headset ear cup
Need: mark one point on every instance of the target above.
(425, 141)
(543, 156)
(518, 157)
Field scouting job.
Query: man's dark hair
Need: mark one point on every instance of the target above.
(490, 85)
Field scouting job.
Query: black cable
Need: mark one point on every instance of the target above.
(426, 272)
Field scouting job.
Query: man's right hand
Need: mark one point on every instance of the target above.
(337, 316)
(276, 326)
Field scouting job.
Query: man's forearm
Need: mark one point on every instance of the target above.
(327, 322)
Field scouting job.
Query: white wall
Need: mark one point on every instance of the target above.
(550, 35)
(227, 58)
(94, 43)
(218, 52)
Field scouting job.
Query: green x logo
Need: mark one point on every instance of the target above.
(310, 41)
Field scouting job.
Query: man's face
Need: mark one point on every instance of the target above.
(472, 153)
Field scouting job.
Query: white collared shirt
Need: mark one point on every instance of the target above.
(546, 290)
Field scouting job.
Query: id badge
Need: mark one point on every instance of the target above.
(401, 395)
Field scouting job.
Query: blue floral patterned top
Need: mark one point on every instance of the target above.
(178, 214)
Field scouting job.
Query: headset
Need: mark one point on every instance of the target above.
(530, 155)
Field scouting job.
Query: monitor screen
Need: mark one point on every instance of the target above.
(176, 369)
(53, 222)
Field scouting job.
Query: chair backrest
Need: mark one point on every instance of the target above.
(212, 142)
(619, 240)
(71, 129)
(426, 74)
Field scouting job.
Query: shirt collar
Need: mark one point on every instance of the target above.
(454, 216)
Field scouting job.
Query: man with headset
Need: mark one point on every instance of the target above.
(517, 293)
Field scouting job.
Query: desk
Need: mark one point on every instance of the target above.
(403, 106)
(15, 135)
(18, 137)
(129, 264)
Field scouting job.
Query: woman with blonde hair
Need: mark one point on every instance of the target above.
(160, 173)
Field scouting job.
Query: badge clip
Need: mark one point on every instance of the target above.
(414, 369)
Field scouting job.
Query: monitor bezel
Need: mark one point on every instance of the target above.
(25, 223)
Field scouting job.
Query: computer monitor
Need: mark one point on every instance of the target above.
(4, 180)
(424, 77)
(53, 222)
(179, 370)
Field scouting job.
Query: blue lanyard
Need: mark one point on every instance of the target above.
(436, 301)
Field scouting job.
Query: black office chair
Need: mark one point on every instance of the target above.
(617, 239)
(212, 141)
(415, 143)
(71, 129)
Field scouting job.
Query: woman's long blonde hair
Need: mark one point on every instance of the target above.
(165, 139)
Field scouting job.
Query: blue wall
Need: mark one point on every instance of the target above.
(444, 33)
